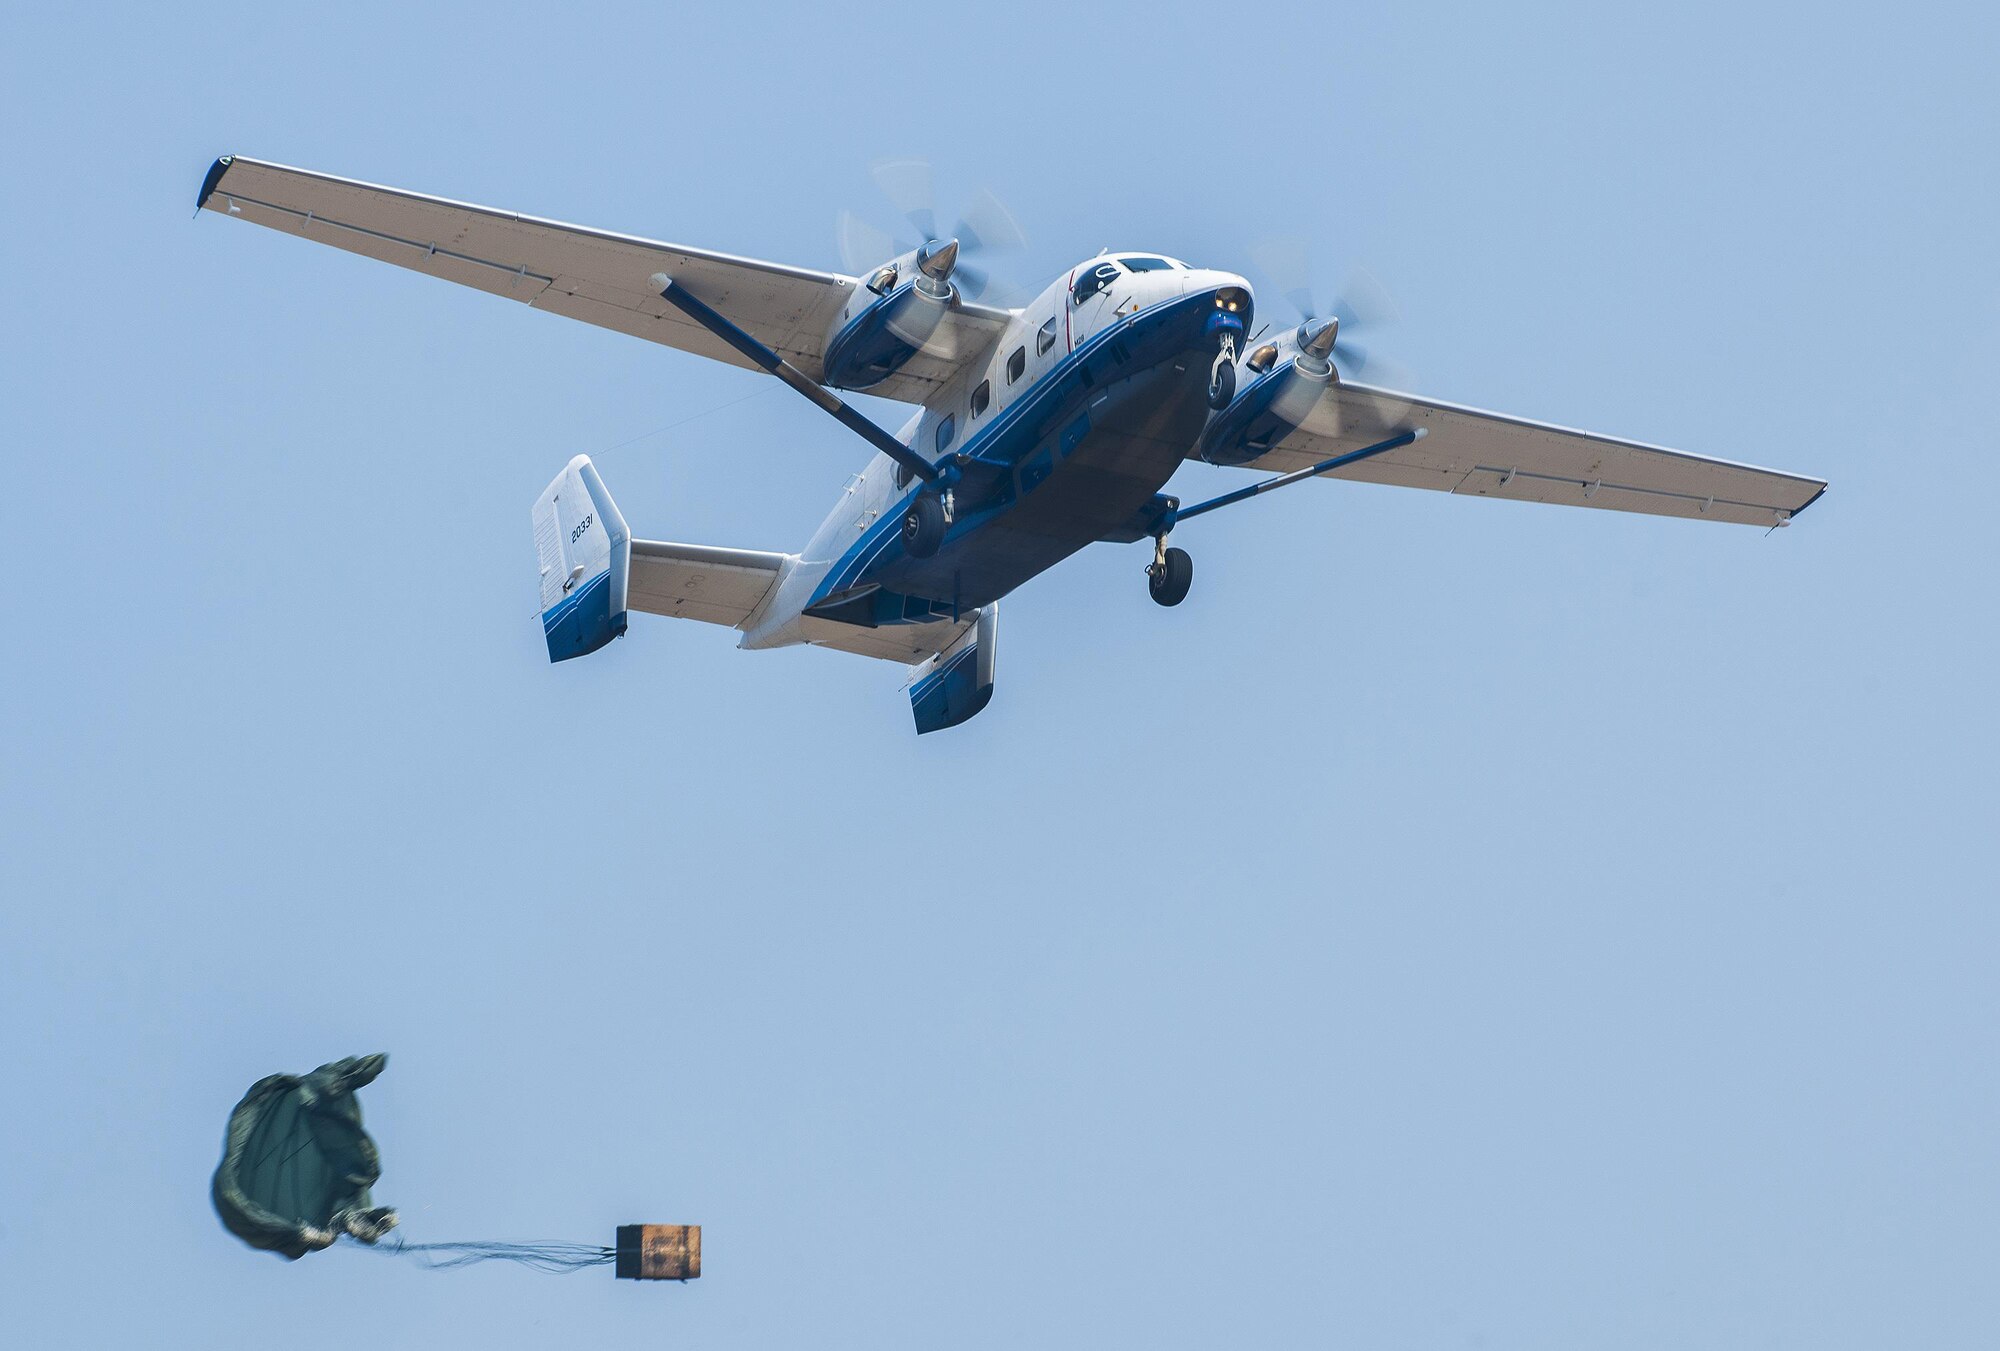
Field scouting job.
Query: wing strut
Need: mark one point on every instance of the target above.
(684, 301)
(1180, 514)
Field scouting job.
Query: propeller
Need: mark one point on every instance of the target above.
(985, 226)
(1328, 330)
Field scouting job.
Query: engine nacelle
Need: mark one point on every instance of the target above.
(891, 316)
(1278, 384)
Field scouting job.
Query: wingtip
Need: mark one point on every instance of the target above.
(214, 176)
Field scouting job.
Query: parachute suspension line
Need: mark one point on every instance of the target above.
(558, 1258)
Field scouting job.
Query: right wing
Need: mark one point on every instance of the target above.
(593, 275)
(1473, 452)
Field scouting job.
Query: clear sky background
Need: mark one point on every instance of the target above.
(1461, 924)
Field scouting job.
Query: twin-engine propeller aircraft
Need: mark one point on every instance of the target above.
(1041, 429)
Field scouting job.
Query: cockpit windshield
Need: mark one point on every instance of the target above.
(1141, 262)
(1093, 279)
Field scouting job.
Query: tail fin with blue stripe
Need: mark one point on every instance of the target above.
(586, 557)
(955, 684)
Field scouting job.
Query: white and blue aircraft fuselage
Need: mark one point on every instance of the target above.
(1042, 428)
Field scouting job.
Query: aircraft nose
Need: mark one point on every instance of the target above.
(1235, 303)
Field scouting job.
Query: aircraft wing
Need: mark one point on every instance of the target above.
(1469, 451)
(593, 275)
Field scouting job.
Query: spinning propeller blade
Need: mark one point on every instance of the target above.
(864, 247)
(907, 185)
(986, 227)
(1363, 305)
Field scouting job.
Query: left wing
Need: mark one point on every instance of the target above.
(593, 275)
(1470, 451)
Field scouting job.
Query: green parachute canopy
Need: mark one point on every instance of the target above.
(296, 1165)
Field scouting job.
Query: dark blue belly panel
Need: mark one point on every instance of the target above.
(1068, 464)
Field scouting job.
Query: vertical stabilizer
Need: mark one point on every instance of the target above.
(586, 558)
(955, 684)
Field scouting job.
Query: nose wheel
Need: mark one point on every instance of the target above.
(1170, 575)
(1222, 375)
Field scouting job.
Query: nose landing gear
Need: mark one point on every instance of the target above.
(1222, 374)
(1170, 574)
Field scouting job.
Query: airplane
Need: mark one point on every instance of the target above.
(1041, 428)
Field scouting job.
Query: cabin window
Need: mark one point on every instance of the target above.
(1045, 337)
(982, 397)
(1016, 364)
(946, 430)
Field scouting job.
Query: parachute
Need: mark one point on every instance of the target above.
(297, 1167)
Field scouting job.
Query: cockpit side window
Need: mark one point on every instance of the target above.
(1093, 279)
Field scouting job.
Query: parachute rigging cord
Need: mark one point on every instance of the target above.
(556, 1258)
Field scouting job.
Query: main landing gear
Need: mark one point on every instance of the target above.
(925, 522)
(1170, 575)
(1172, 571)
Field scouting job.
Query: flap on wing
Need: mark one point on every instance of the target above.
(1468, 450)
(597, 276)
(696, 581)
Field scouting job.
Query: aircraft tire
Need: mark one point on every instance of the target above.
(1169, 582)
(1222, 388)
(923, 526)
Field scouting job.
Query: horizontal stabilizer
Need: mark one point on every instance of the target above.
(586, 557)
(699, 581)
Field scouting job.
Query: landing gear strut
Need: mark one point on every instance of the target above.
(1222, 375)
(1170, 575)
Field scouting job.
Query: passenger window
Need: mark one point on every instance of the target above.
(981, 397)
(1045, 338)
(1016, 364)
(945, 431)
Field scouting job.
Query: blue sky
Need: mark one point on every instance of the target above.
(1460, 924)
